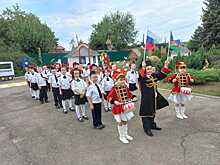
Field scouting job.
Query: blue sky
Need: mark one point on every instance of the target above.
(67, 17)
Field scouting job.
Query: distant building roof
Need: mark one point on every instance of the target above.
(75, 51)
(59, 47)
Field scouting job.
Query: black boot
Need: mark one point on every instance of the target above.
(147, 125)
(154, 125)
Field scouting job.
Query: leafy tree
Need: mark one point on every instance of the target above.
(120, 25)
(10, 54)
(211, 23)
(208, 34)
(197, 39)
(25, 32)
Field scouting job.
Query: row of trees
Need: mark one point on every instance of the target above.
(24, 32)
(208, 33)
(121, 27)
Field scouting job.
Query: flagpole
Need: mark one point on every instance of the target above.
(145, 46)
(168, 53)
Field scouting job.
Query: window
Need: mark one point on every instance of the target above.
(82, 60)
(94, 59)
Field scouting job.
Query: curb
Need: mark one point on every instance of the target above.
(196, 94)
(19, 77)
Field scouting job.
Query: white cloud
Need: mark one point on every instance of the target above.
(159, 16)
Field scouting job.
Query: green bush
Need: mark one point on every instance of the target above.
(204, 76)
(214, 58)
(196, 59)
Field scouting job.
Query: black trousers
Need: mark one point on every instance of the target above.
(97, 114)
(43, 93)
(148, 123)
(57, 97)
(48, 86)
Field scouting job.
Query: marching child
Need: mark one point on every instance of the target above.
(28, 80)
(79, 88)
(33, 83)
(65, 90)
(107, 84)
(121, 98)
(94, 96)
(181, 91)
(54, 84)
(42, 84)
(47, 73)
(132, 78)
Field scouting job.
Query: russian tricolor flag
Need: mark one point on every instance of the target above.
(151, 39)
(149, 43)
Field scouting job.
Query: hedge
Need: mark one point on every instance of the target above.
(204, 76)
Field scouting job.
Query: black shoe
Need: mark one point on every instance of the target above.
(86, 117)
(155, 127)
(109, 109)
(65, 111)
(80, 119)
(72, 109)
(99, 127)
(102, 126)
(33, 97)
(149, 133)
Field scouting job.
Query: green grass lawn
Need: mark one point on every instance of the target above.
(212, 88)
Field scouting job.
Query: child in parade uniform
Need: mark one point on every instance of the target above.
(122, 109)
(84, 74)
(113, 70)
(94, 96)
(33, 83)
(181, 91)
(79, 86)
(54, 84)
(43, 86)
(65, 90)
(27, 77)
(47, 73)
(151, 99)
(107, 84)
(132, 78)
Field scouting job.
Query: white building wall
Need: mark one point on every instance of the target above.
(71, 60)
(83, 53)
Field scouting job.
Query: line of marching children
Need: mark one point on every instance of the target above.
(80, 88)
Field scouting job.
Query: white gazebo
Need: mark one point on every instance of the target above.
(82, 54)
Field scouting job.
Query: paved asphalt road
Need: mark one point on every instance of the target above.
(35, 134)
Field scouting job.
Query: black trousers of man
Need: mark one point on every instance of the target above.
(43, 94)
(147, 123)
(57, 97)
(97, 114)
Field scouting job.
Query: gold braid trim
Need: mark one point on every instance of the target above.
(152, 84)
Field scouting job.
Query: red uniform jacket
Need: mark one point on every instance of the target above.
(176, 85)
(113, 96)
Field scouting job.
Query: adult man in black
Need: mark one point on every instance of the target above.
(151, 99)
